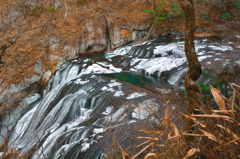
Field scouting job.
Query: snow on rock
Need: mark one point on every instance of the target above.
(99, 130)
(108, 110)
(136, 95)
(111, 67)
(238, 36)
(115, 69)
(97, 69)
(220, 48)
(201, 58)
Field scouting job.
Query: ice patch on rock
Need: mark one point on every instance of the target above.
(115, 69)
(108, 110)
(201, 58)
(97, 69)
(238, 36)
(143, 114)
(113, 117)
(78, 81)
(217, 59)
(114, 84)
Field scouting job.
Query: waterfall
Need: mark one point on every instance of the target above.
(82, 105)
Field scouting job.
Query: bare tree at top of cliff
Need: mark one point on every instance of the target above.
(194, 66)
(17, 19)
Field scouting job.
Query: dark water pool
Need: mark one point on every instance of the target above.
(135, 78)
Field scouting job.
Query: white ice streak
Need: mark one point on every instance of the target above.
(217, 59)
(113, 117)
(177, 76)
(120, 51)
(22, 124)
(118, 94)
(159, 64)
(79, 81)
(164, 49)
(111, 67)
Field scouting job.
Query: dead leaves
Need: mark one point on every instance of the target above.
(150, 155)
(170, 136)
(219, 147)
(209, 135)
(166, 117)
(151, 132)
(144, 149)
(218, 98)
(191, 152)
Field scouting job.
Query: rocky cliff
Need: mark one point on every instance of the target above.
(78, 27)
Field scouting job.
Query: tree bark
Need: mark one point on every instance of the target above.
(194, 66)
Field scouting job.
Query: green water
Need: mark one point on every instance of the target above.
(135, 78)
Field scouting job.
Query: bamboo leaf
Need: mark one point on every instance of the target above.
(219, 147)
(124, 153)
(166, 117)
(218, 98)
(149, 155)
(228, 130)
(212, 116)
(209, 135)
(151, 132)
(233, 102)
(176, 131)
(144, 149)
(196, 135)
(142, 144)
(191, 152)
(190, 117)
(148, 138)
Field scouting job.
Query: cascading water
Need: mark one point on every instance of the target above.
(82, 105)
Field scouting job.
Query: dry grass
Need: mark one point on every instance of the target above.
(215, 133)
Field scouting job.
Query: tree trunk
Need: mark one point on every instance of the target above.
(194, 66)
